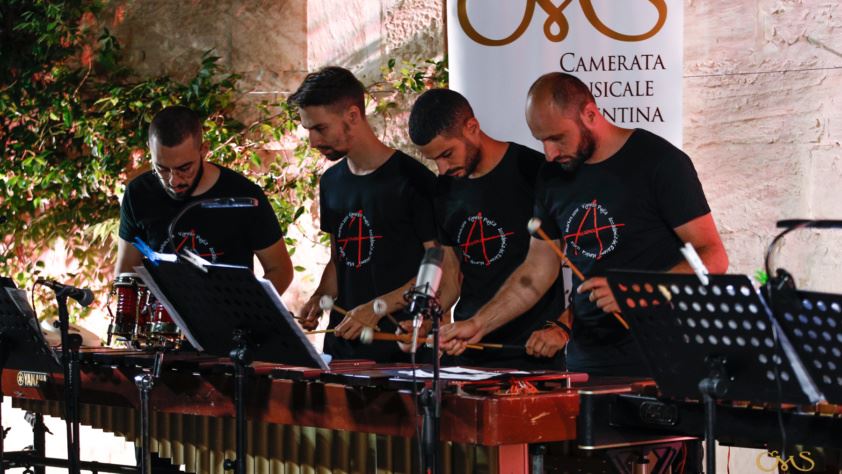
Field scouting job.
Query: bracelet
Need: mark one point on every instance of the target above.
(560, 325)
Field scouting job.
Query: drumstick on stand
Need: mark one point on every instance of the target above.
(534, 227)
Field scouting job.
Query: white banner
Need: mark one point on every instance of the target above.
(629, 52)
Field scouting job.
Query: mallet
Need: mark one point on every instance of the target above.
(534, 227)
(327, 303)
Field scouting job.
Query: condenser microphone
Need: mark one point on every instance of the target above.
(426, 288)
(83, 296)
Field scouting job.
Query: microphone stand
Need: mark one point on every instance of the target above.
(430, 397)
(70, 344)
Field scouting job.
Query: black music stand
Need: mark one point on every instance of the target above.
(719, 339)
(210, 301)
(813, 323)
(23, 347)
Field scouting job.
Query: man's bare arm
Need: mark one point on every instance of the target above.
(702, 234)
(328, 285)
(524, 287)
(128, 256)
(277, 266)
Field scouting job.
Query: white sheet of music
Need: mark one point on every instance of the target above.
(459, 373)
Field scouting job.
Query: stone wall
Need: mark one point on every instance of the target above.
(762, 123)
(263, 40)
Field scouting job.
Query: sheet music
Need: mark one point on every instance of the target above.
(459, 373)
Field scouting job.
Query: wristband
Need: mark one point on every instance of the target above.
(560, 325)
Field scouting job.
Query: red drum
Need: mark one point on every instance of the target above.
(163, 333)
(131, 294)
(160, 323)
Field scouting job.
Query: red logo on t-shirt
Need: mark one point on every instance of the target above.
(595, 234)
(193, 241)
(355, 239)
(484, 241)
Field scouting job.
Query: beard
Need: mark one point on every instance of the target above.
(332, 154)
(585, 150)
(471, 161)
(335, 154)
(187, 191)
(471, 158)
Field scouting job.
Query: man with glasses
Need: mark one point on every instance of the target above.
(179, 177)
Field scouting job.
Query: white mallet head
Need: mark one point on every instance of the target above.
(379, 307)
(367, 335)
(533, 225)
(326, 303)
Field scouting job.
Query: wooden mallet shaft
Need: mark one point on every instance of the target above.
(406, 338)
(535, 227)
(327, 303)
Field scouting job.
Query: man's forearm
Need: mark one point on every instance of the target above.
(714, 258)
(518, 294)
(451, 280)
(280, 279)
(328, 285)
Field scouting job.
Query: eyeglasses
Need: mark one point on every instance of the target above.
(184, 171)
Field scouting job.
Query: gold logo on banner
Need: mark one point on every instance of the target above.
(555, 17)
(31, 379)
(804, 462)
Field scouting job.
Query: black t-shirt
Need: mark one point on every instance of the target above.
(379, 222)
(485, 220)
(218, 235)
(618, 214)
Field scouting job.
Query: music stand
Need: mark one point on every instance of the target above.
(719, 339)
(23, 347)
(813, 323)
(210, 301)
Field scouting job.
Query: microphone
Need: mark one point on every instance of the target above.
(423, 295)
(83, 296)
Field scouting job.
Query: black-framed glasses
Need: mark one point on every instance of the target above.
(184, 171)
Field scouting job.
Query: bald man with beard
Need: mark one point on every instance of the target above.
(613, 198)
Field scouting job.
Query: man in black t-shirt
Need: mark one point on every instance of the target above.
(376, 204)
(485, 195)
(179, 177)
(615, 199)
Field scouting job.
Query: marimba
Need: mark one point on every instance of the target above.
(361, 417)
(356, 417)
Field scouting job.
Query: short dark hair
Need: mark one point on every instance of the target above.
(332, 86)
(569, 93)
(172, 125)
(438, 112)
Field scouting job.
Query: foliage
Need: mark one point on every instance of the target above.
(72, 130)
(403, 81)
(73, 121)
